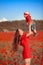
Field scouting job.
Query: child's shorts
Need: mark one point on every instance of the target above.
(33, 26)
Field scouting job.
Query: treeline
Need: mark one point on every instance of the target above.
(13, 25)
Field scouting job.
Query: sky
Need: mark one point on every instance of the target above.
(14, 9)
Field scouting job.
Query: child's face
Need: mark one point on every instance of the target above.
(25, 15)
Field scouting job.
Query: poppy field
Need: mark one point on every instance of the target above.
(9, 57)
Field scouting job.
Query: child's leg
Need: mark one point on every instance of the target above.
(30, 31)
(27, 61)
(30, 27)
(34, 31)
(33, 28)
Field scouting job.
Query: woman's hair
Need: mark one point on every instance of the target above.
(16, 40)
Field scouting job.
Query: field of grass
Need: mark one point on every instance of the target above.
(9, 57)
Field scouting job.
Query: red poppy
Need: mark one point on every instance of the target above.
(15, 63)
(9, 62)
(1, 64)
(34, 56)
(0, 60)
(4, 63)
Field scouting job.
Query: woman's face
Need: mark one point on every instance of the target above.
(21, 32)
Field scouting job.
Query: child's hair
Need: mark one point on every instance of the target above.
(16, 40)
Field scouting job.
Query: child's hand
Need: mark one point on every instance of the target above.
(27, 24)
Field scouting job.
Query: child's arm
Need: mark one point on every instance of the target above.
(28, 34)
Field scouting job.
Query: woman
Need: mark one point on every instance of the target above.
(21, 38)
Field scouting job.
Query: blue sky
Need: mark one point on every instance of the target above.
(14, 9)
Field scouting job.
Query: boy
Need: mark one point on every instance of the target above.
(30, 24)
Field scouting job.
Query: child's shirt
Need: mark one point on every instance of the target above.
(28, 19)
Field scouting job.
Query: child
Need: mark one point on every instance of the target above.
(21, 38)
(30, 23)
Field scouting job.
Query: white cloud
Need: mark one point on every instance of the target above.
(3, 19)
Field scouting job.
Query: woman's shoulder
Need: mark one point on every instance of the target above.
(24, 35)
